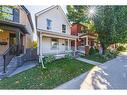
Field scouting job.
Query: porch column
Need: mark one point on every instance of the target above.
(68, 45)
(18, 42)
(87, 46)
(75, 47)
(40, 45)
(87, 41)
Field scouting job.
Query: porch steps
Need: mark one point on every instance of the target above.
(12, 66)
(1, 63)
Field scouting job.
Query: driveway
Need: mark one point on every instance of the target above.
(110, 75)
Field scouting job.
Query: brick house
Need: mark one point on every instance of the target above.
(86, 39)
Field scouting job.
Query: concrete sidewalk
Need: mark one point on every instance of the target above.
(72, 84)
(88, 61)
(110, 75)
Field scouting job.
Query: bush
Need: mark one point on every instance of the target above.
(121, 48)
(49, 58)
(93, 51)
(68, 56)
(110, 55)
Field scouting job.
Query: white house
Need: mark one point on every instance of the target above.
(54, 33)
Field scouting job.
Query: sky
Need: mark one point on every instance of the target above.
(34, 9)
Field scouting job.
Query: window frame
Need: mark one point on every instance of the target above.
(10, 14)
(49, 24)
(64, 28)
(57, 41)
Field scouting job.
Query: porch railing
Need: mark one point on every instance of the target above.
(8, 55)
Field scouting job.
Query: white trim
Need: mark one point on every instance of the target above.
(50, 8)
(41, 47)
(57, 35)
(87, 41)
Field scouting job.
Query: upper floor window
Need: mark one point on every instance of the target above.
(63, 28)
(9, 13)
(49, 24)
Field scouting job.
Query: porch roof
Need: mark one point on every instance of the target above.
(56, 34)
(3, 24)
(92, 35)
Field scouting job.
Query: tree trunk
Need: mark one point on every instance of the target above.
(103, 48)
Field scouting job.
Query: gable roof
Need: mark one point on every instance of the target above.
(50, 8)
(28, 15)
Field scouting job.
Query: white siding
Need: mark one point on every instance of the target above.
(46, 46)
(57, 18)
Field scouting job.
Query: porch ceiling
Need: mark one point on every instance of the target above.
(10, 25)
(56, 34)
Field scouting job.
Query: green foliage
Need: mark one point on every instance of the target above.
(49, 58)
(76, 13)
(102, 58)
(121, 48)
(35, 44)
(93, 51)
(110, 55)
(68, 56)
(110, 24)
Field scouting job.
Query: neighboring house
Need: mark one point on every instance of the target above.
(16, 31)
(54, 32)
(86, 39)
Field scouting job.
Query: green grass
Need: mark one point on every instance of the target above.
(56, 73)
(96, 58)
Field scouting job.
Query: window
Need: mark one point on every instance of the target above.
(63, 28)
(54, 43)
(49, 22)
(9, 13)
(15, 15)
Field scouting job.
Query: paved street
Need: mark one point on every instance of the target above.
(110, 75)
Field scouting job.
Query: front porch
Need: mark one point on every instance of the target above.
(56, 44)
(85, 42)
(11, 42)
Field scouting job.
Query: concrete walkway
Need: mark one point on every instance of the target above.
(72, 84)
(26, 66)
(110, 75)
(88, 61)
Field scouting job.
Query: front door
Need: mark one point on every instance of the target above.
(12, 40)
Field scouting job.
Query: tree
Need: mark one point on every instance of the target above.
(111, 26)
(110, 22)
(76, 13)
(35, 44)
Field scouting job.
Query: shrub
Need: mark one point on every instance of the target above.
(121, 48)
(49, 58)
(93, 51)
(110, 55)
(82, 55)
(68, 56)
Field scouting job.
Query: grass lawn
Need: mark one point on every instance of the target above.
(56, 73)
(96, 58)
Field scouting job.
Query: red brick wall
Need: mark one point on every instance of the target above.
(74, 30)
